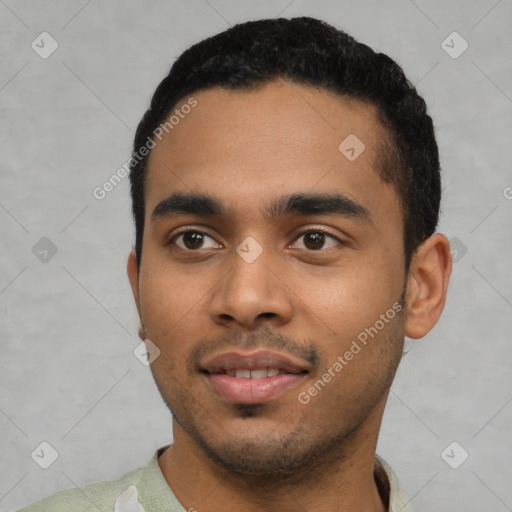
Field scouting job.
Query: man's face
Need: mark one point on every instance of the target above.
(290, 292)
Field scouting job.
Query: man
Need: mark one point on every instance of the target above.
(286, 189)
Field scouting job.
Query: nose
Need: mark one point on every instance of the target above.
(252, 294)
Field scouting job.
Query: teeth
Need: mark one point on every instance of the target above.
(259, 373)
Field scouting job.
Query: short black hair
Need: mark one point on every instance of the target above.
(311, 52)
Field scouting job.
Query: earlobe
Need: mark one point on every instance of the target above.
(142, 331)
(427, 285)
(133, 276)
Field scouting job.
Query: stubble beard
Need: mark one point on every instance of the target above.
(272, 460)
(277, 457)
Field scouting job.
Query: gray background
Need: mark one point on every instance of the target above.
(68, 324)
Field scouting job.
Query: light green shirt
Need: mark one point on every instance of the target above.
(146, 490)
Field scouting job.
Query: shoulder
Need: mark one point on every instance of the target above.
(97, 497)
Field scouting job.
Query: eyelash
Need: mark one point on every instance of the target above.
(191, 229)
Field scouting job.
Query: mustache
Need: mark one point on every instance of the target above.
(263, 339)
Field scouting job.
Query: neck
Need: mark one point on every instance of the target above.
(343, 481)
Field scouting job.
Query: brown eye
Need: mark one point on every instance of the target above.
(193, 240)
(316, 240)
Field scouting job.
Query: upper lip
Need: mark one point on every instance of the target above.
(234, 360)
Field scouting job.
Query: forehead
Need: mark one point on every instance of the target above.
(273, 113)
(246, 145)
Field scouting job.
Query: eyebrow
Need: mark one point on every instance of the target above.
(180, 203)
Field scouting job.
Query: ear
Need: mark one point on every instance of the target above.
(427, 284)
(133, 276)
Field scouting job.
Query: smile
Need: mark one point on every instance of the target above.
(250, 378)
(243, 373)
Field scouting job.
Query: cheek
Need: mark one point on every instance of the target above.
(350, 300)
(167, 298)
(361, 309)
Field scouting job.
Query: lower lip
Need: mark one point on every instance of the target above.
(252, 391)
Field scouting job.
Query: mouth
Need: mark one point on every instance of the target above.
(244, 373)
(252, 378)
